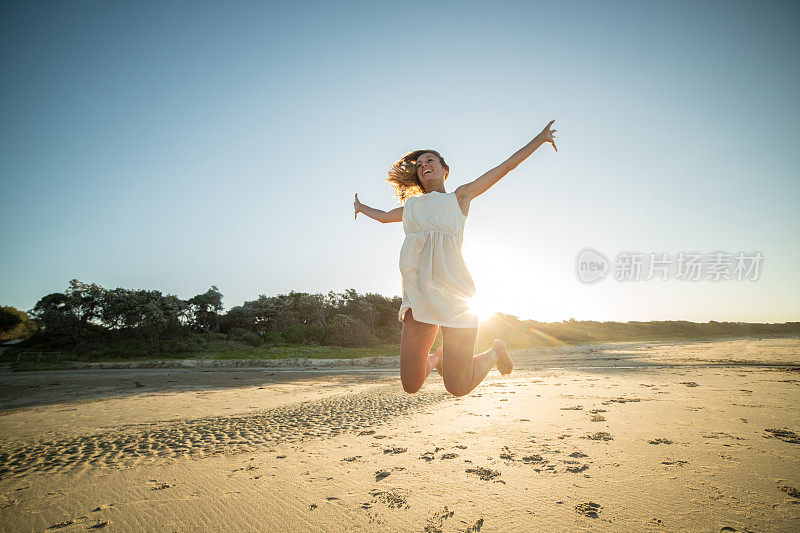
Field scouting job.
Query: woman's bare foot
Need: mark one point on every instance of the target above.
(504, 363)
(435, 360)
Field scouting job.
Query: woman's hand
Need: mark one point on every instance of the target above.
(357, 206)
(547, 135)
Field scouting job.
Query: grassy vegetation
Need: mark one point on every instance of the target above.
(91, 324)
(211, 349)
(315, 352)
(220, 347)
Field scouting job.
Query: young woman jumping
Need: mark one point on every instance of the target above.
(437, 286)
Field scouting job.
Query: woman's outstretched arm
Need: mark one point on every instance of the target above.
(395, 215)
(467, 192)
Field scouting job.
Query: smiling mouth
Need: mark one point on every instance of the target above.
(427, 171)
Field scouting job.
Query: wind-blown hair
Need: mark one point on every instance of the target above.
(403, 175)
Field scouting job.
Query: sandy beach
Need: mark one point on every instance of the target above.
(659, 436)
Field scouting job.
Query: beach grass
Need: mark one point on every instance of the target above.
(220, 347)
(32, 359)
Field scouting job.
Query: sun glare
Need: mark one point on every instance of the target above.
(481, 309)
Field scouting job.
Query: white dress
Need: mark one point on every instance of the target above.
(436, 282)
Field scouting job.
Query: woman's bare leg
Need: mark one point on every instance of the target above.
(435, 360)
(415, 344)
(462, 369)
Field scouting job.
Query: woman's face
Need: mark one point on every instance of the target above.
(430, 171)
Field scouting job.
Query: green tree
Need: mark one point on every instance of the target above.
(15, 324)
(56, 318)
(8, 319)
(345, 330)
(205, 309)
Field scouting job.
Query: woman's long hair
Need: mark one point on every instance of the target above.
(403, 175)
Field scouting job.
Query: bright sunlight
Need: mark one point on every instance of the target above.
(480, 308)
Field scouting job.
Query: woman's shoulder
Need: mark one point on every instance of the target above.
(407, 203)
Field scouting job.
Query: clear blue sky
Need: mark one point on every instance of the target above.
(176, 145)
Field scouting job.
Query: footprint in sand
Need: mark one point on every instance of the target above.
(622, 400)
(719, 435)
(102, 507)
(429, 456)
(380, 474)
(675, 462)
(590, 509)
(507, 454)
(436, 522)
(486, 474)
(783, 434)
(791, 491)
(59, 525)
(395, 450)
(660, 440)
(474, 528)
(689, 383)
(533, 459)
(600, 435)
(392, 498)
(577, 468)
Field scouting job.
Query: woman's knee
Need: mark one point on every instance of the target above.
(411, 379)
(411, 386)
(456, 384)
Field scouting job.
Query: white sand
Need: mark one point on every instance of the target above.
(194, 449)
